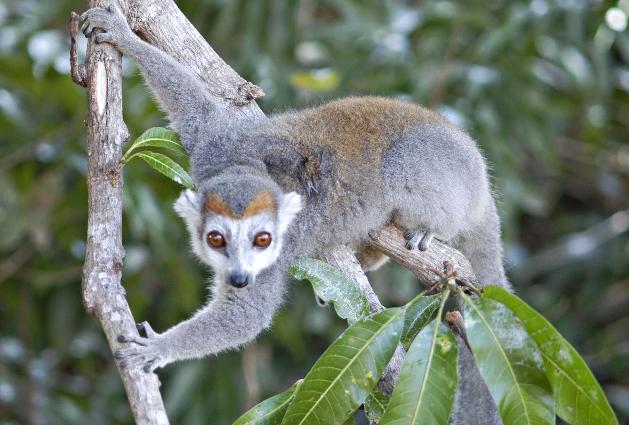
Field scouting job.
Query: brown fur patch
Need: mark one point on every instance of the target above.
(263, 201)
(357, 131)
(216, 204)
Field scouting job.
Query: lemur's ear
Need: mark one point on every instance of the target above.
(187, 207)
(290, 205)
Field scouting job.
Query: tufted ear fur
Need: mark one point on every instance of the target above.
(290, 205)
(188, 208)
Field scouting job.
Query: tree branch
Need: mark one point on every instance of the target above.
(390, 241)
(103, 294)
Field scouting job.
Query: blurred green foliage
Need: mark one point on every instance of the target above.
(542, 85)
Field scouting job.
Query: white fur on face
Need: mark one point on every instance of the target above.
(239, 254)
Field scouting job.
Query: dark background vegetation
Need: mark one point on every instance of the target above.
(543, 86)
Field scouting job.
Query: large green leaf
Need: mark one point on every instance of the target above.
(167, 167)
(350, 421)
(509, 362)
(424, 393)
(344, 375)
(418, 314)
(332, 285)
(156, 137)
(579, 397)
(270, 411)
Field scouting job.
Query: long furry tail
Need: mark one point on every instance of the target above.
(483, 247)
(474, 404)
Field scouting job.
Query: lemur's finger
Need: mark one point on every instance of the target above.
(132, 338)
(85, 27)
(413, 242)
(130, 356)
(151, 365)
(132, 362)
(148, 330)
(425, 242)
(103, 37)
(123, 353)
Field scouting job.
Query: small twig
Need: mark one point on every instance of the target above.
(454, 320)
(77, 70)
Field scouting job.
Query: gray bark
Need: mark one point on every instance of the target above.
(390, 241)
(103, 295)
(162, 24)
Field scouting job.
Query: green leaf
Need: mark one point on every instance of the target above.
(375, 405)
(350, 421)
(270, 411)
(509, 362)
(167, 167)
(344, 375)
(332, 285)
(156, 137)
(321, 80)
(579, 397)
(424, 393)
(418, 314)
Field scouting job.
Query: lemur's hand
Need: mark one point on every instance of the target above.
(111, 21)
(150, 352)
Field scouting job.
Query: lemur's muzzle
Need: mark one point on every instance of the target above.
(238, 280)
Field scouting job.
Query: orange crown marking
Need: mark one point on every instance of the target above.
(216, 204)
(263, 201)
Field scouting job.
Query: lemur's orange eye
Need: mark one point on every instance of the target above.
(262, 239)
(215, 239)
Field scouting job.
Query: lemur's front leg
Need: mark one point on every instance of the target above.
(187, 101)
(233, 318)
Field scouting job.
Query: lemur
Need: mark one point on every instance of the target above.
(298, 183)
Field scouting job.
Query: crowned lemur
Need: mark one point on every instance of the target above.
(298, 183)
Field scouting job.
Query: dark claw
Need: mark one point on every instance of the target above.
(124, 364)
(118, 354)
(140, 327)
(408, 235)
(147, 367)
(123, 339)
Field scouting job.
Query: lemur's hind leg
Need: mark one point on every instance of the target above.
(418, 239)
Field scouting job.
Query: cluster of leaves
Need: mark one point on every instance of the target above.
(531, 371)
(160, 138)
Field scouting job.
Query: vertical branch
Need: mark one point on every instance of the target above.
(103, 294)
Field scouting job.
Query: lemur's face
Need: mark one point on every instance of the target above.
(238, 247)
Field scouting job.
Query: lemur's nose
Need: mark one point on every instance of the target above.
(238, 280)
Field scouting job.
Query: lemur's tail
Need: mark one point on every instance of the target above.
(482, 246)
